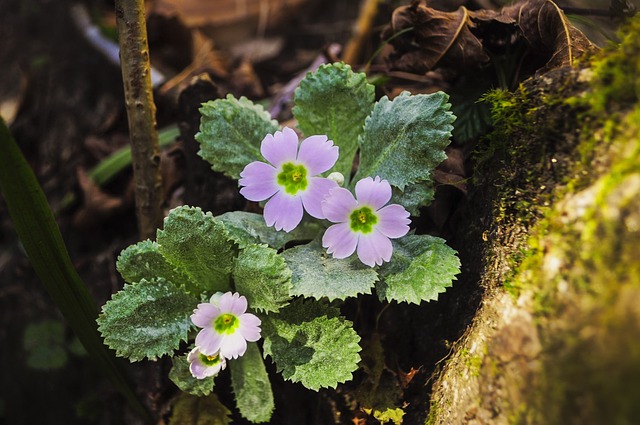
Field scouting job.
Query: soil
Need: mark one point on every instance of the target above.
(71, 115)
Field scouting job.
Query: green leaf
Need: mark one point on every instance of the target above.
(310, 343)
(36, 226)
(247, 228)
(192, 410)
(414, 196)
(144, 261)
(231, 131)
(262, 276)
(421, 267)
(146, 319)
(199, 245)
(317, 274)
(182, 377)
(335, 101)
(404, 138)
(43, 344)
(250, 383)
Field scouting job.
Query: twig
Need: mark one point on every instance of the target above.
(361, 32)
(141, 111)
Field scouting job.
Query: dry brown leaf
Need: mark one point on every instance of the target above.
(460, 39)
(549, 33)
(437, 39)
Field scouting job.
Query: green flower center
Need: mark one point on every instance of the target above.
(210, 360)
(226, 324)
(293, 178)
(363, 220)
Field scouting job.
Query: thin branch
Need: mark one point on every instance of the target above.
(141, 111)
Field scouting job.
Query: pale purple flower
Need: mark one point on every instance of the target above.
(364, 224)
(226, 327)
(289, 178)
(202, 366)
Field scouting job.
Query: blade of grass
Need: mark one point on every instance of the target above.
(39, 233)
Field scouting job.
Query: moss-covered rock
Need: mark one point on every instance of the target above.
(562, 344)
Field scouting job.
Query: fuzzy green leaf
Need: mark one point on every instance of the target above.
(262, 276)
(231, 131)
(144, 261)
(249, 228)
(182, 377)
(421, 267)
(317, 275)
(404, 138)
(192, 410)
(146, 319)
(250, 382)
(335, 101)
(199, 245)
(414, 196)
(310, 343)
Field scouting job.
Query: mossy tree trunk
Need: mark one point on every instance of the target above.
(557, 337)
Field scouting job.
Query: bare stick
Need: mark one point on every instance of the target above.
(361, 31)
(141, 111)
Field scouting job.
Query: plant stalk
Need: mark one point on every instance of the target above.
(141, 112)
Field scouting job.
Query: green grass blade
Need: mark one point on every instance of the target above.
(108, 168)
(39, 233)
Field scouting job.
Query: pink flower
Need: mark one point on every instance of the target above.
(364, 224)
(202, 366)
(289, 178)
(226, 326)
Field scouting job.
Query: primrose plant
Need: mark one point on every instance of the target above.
(227, 292)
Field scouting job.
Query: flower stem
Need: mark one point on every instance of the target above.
(141, 112)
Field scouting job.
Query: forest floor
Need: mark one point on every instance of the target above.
(64, 101)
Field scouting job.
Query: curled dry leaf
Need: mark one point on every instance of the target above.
(436, 39)
(549, 33)
(461, 39)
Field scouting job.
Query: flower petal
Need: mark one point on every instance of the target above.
(314, 195)
(234, 346)
(338, 204)
(226, 302)
(393, 221)
(283, 211)
(318, 154)
(374, 248)
(249, 327)
(340, 240)
(239, 305)
(204, 314)
(259, 181)
(280, 147)
(208, 341)
(374, 193)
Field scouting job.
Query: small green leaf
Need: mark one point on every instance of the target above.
(404, 138)
(310, 343)
(262, 276)
(199, 245)
(182, 377)
(192, 410)
(231, 131)
(249, 228)
(146, 319)
(335, 101)
(43, 343)
(394, 415)
(414, 196)
(250, 382)
(421, 267)
(144, 261)
(317, 274)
